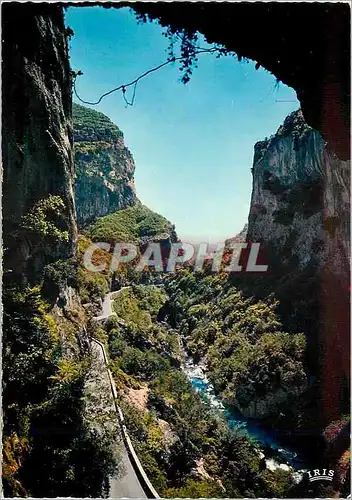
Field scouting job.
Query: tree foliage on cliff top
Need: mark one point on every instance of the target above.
(91, 125)
(294, 125)
(129, 225)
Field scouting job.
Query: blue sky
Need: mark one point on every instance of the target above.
(192, 144)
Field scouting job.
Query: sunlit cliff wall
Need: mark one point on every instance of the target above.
(300, 213)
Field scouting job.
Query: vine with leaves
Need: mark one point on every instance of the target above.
(188, 58)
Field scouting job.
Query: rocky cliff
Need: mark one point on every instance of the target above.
(239, 238)
(46, 358)
(38, 208)
(300, 213)
(104, 166)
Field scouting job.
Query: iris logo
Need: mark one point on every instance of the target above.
(320, 475)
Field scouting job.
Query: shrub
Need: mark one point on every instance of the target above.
(57, 276)
(196, 488)
(91, 125)
(144, 365)
(45, 219)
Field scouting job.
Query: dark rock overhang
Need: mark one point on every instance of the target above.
(304, 45)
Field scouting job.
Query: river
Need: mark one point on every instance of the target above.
(276, 452)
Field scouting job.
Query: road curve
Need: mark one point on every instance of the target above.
(126, 483)
(107, 305)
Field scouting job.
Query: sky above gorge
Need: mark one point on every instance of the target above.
(192, 144)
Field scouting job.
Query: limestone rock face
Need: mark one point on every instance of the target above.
(37, 135)
(300, 214)
(300, 198)
(241, 237)
(104, 166)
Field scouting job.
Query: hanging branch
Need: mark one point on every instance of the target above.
(133, 95)
(135, 82)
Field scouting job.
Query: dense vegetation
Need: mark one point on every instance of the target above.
(131, 225)
(185, 447)
(49, 448)
(50, 445)
(252, 363)
(141, 348)
(91, 125)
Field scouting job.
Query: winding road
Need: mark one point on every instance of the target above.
(126, 483)
(107, 305)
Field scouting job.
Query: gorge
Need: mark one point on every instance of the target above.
(254, 349)
(301, 149)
